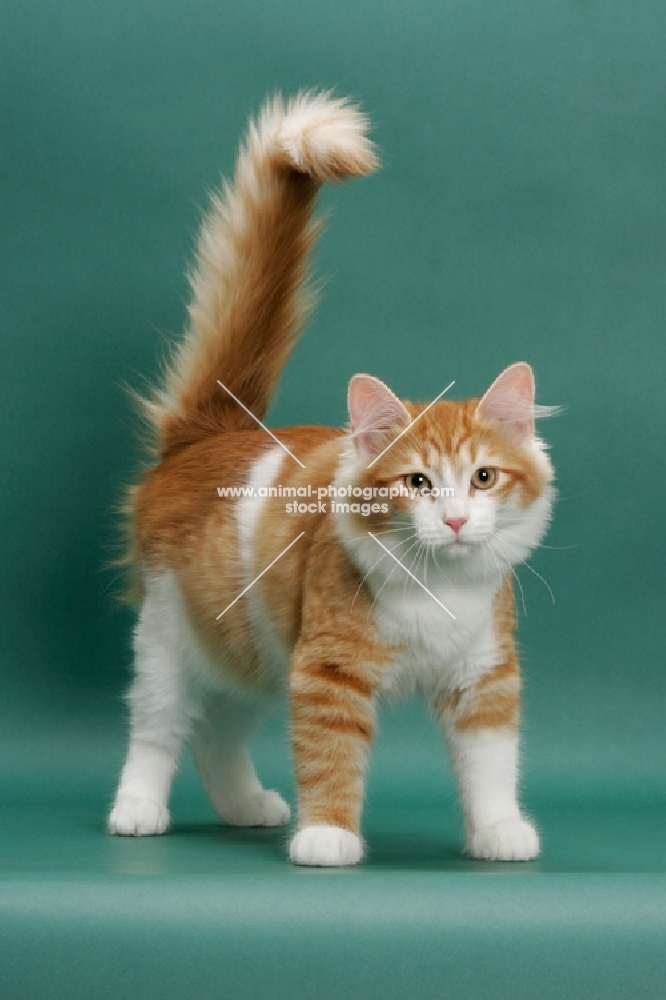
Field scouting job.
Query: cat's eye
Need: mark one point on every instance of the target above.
(417, 481)
(484, 478)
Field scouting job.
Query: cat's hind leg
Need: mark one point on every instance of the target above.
(161, 712)
(219, 746)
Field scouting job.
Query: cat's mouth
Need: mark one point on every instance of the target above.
(458, 547)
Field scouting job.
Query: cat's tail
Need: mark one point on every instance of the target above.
(249, 296)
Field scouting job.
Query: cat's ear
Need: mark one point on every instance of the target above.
(509, 403)
(375, 413)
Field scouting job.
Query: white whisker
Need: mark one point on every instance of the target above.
(409, 579)
(539, 577)
(375, 564)
(515, 575)
(387, 531)
(513, 534)
(376, 598)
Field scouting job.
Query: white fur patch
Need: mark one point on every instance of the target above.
(486, 766)
(177, 692)
(264, 808)
(273, 654)
(162, 710)
(137, 817)
(325, 847)
(219, 746)
(509, 840)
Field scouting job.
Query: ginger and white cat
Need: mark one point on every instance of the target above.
(326, 610)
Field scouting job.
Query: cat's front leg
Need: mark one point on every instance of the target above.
(481, 728)
(333, 719)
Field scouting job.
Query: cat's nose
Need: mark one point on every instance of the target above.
(456, 523)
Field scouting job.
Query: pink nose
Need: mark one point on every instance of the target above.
(456, 523)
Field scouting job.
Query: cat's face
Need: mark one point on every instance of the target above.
(473, 478)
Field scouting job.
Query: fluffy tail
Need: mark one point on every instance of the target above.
(249, 301)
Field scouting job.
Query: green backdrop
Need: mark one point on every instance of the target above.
(520, 214)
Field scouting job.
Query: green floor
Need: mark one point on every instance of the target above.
(212, 911)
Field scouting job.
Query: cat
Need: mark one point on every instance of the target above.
(338, 602)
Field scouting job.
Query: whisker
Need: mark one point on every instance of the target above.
(409, 579)
(485, 561)
(377, 562)
(543, 580)
(404, 555)
(515, 575)
(492, 552)
(559, 548)
(395, 567)
(439, 568)
(510, 532)
(421, 554)
(387, 531)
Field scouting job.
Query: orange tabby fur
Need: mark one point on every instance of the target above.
(247, 309)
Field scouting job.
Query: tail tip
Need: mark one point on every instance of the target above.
(326, 137)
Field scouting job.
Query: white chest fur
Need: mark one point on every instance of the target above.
(443, 649)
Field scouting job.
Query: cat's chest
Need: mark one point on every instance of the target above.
(444, 635)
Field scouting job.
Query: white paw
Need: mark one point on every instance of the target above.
(265, 808)
(136, 817)
(509, 840)
(325, 846)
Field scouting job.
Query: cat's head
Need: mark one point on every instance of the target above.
(474, 478)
